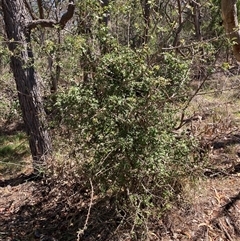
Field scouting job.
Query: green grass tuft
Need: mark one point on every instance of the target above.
(14, 152)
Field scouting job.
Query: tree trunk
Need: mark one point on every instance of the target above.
(55, 75)
(106, 16)
(176, 41)
(146, 17)
(196, 19)
(27, 81)
(230, 20)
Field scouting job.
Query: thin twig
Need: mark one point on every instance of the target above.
(81, 231)
(225, 231)
(188, 102)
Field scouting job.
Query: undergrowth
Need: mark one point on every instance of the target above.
(120, 126)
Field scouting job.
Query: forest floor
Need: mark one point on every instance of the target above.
(35, 208)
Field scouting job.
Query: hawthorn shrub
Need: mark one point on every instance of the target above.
(122, 122)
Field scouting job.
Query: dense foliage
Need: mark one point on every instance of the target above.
(121, 123)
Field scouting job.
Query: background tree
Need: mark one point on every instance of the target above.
(230, 20)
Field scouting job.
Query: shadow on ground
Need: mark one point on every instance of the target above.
(15, 181)
(54, 212)
(37, 208)
(11, 129)
(222, 162)
(226, 141)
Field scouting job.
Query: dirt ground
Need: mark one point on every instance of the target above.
(36, 208)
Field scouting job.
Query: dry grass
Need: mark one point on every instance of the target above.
(203, 214)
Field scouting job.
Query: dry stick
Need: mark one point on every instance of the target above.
(81, 231)
(225, 231)
(12, 163)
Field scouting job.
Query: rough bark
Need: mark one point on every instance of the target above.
(16, 20)
(230, 20)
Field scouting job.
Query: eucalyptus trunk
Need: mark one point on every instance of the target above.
(230, 20)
